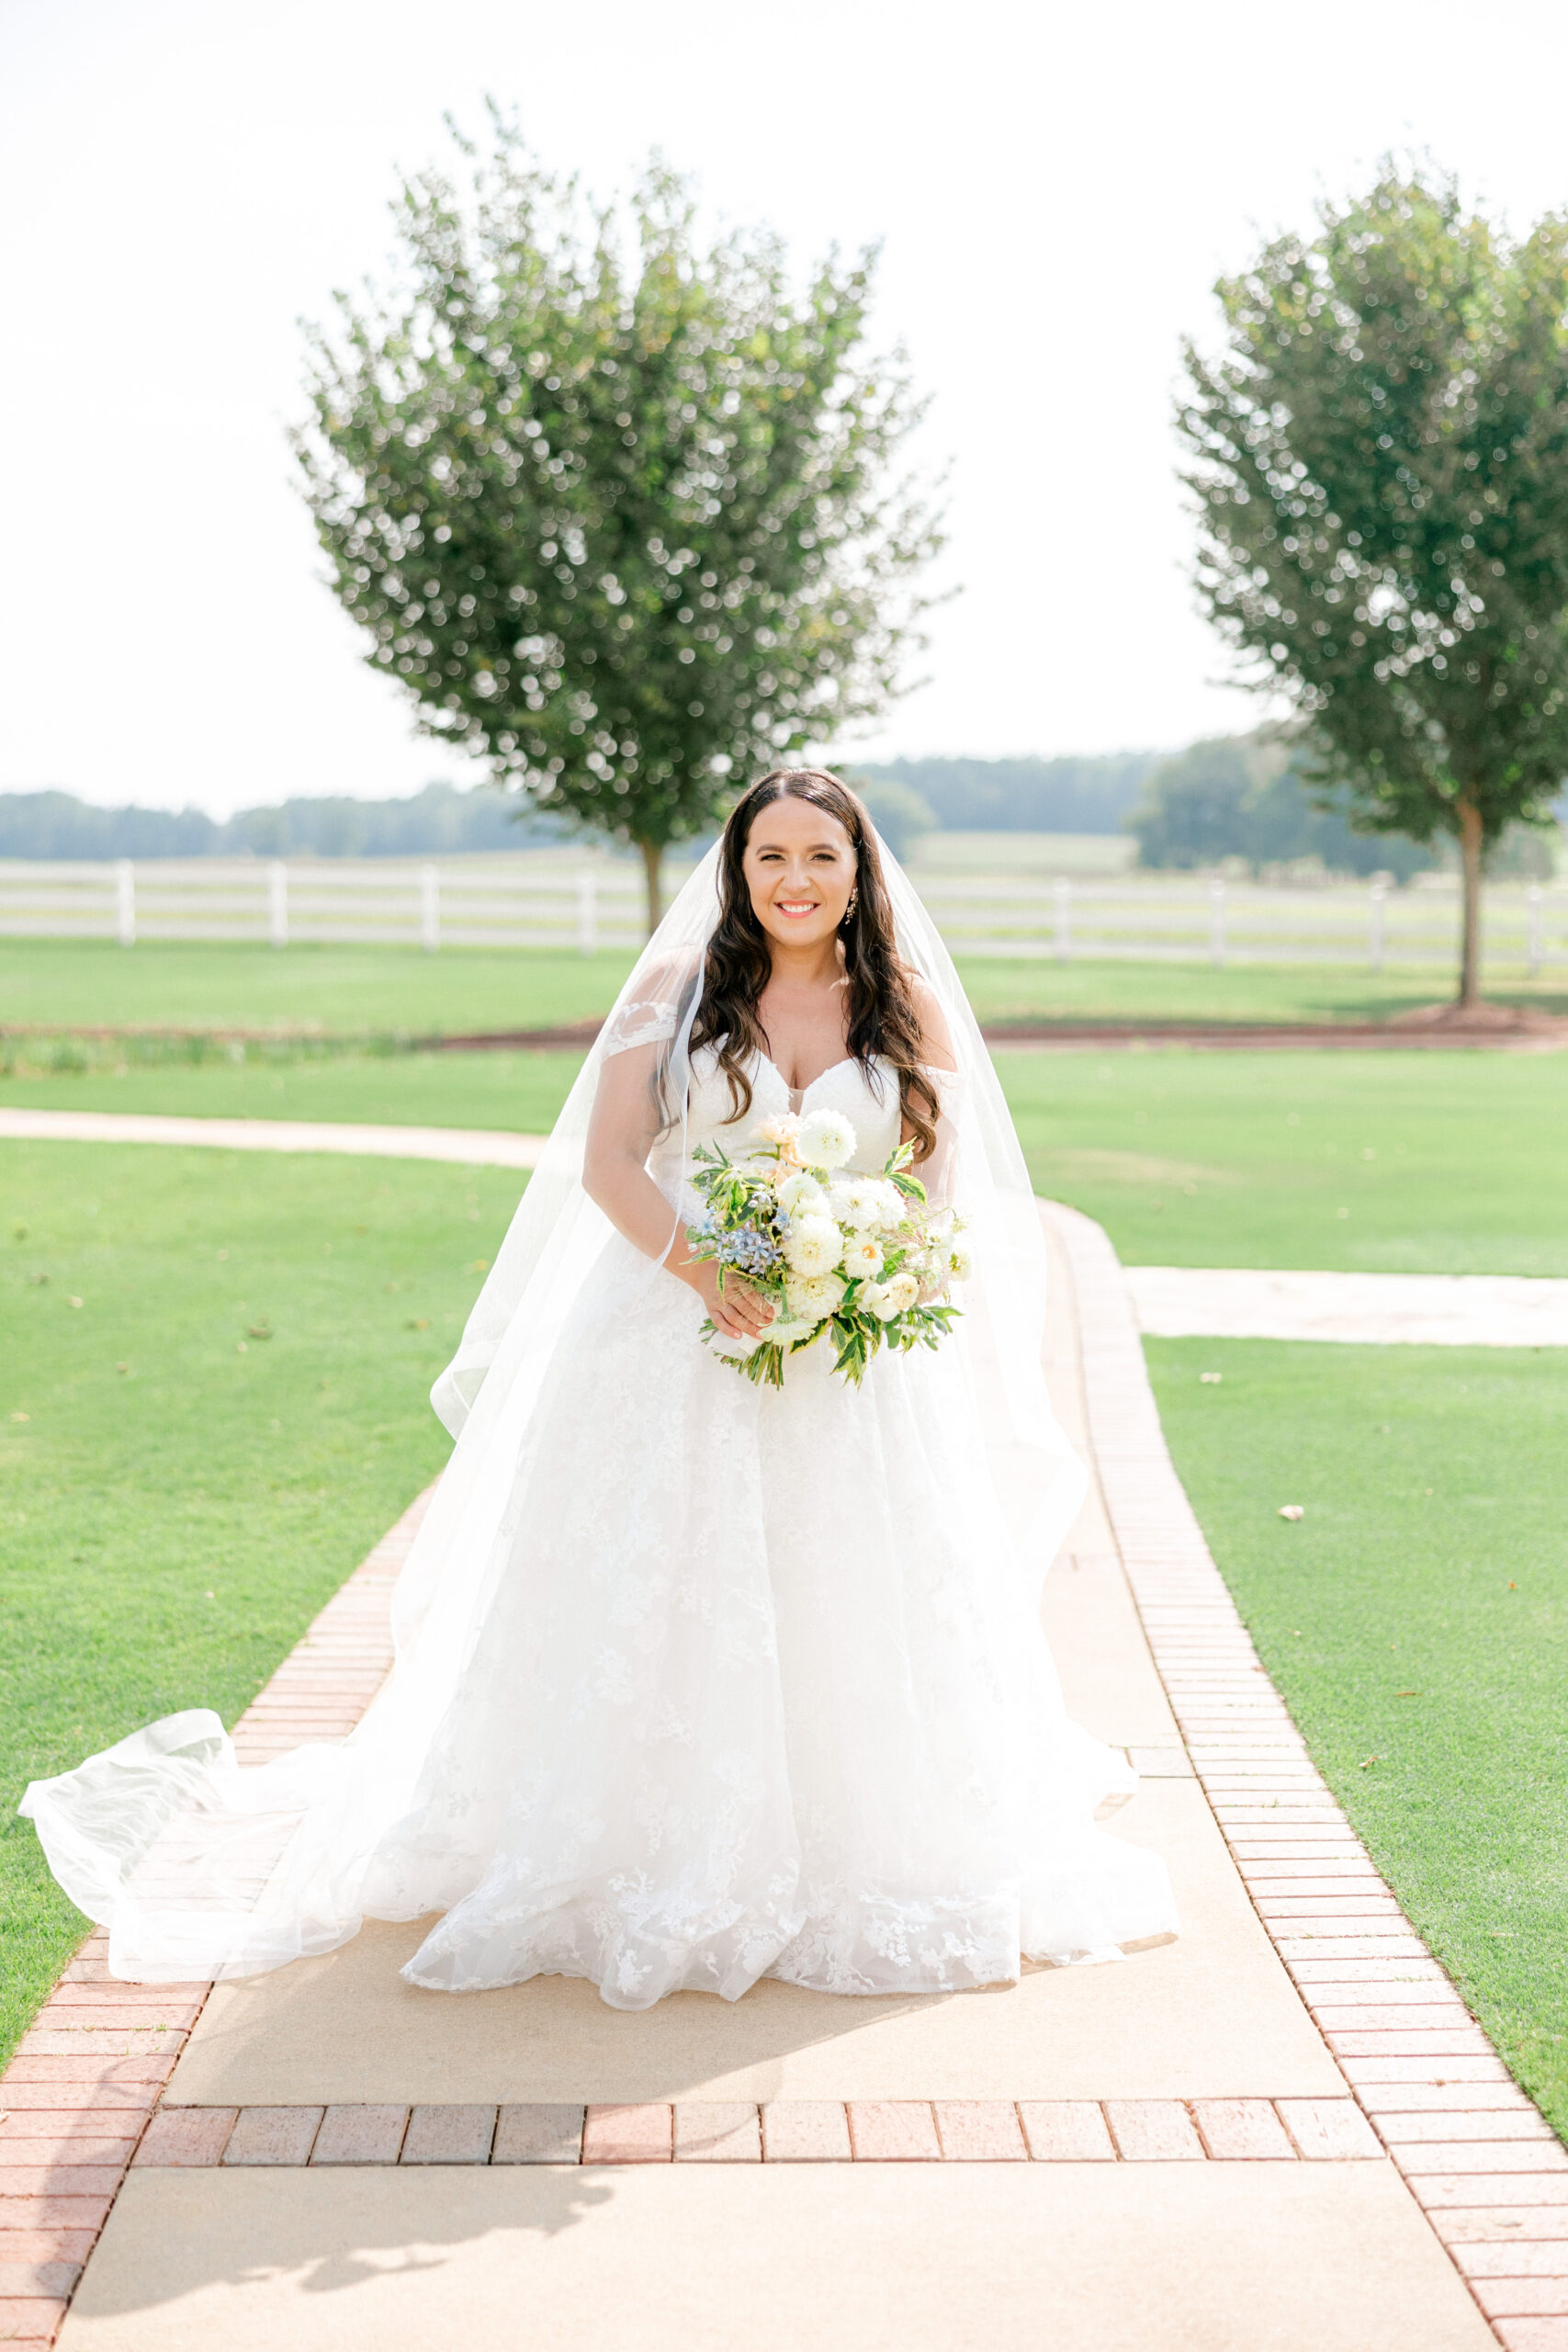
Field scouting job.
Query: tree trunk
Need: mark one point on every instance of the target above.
(1469, 935)
(652, 856)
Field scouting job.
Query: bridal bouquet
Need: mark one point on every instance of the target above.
(859, 1258)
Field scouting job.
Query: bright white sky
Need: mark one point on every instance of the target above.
(1057, 188)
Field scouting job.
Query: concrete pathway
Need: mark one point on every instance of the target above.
(1281, 2130)
(472, 1147)
(1443, 1310)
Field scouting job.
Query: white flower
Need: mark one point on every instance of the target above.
(811, 1298)
(903, 1289)
(826, 1139)
(790, 1330)
(812, 1246)
(802, 1195)
(960, 1264)
(863, 1256)
(892, 1208)
(878, 1299)
(864, 1204)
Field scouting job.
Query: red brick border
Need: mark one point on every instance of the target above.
(80, 2101)
(77, 2101)
(880, 2130)
(1479, 2157)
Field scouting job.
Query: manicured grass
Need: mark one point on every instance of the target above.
(1187, 1159)
(400, 990)
(494, 1088)
(1416, 1621)
(1003, 990)
(174, 1511)
(334, 991)
(1400, 1162)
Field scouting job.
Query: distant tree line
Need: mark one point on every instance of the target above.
(1070, 795)
(1232, 797)
(439, 820)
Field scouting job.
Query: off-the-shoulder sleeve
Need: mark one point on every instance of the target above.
(642, 1020)
(655, 1014)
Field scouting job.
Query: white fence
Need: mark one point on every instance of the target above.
(477, 902)
(1191, 919)
(518, 900)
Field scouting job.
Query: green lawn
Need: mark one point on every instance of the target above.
(1400, 1162)
(494, 1088)
(332, 992)
(1193, 1158)
(172, 1510)
(1416, 1621)
(1006, 990)
(359, 991)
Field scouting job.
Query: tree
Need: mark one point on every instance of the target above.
(1380, 467)
(899, 815)
(615, 510)
(1249, 795)
(1088, 795)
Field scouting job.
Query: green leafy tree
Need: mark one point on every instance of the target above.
(1380, 465)
(617, 510)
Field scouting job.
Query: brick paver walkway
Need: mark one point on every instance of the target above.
(1412, 2112)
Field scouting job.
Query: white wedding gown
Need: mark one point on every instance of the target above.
(765, 1691)
(752, 1682)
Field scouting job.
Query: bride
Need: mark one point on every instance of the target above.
(698, 1681)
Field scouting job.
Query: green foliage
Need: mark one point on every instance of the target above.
(174, 1512)
(1381, 468)
(1069, 795)
(1416, 1621)
(620, 521)
(1248, 797)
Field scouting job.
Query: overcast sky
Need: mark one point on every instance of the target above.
(1055, 188)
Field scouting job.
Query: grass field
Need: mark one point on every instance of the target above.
(399, 990)
(172, 1510)
(1402, 1164)
(1416, 1621)
(1234, 1158)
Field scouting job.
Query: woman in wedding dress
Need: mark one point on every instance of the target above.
(698, 1680)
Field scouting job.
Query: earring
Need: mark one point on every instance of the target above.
(849, 910)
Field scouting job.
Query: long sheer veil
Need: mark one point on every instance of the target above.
(202, 1869)
(557, 1229)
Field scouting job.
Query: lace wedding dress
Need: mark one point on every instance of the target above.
(701, 1681)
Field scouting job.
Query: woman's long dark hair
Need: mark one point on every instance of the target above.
(883, 1020)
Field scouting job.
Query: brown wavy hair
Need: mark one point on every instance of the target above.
(883, 1020)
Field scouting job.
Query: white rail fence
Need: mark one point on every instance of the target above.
(499, 902)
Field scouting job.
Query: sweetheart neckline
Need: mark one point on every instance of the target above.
(846, 1062)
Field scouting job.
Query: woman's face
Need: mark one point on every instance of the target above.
(799, 865)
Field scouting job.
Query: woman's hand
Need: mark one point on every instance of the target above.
(739, 1311)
